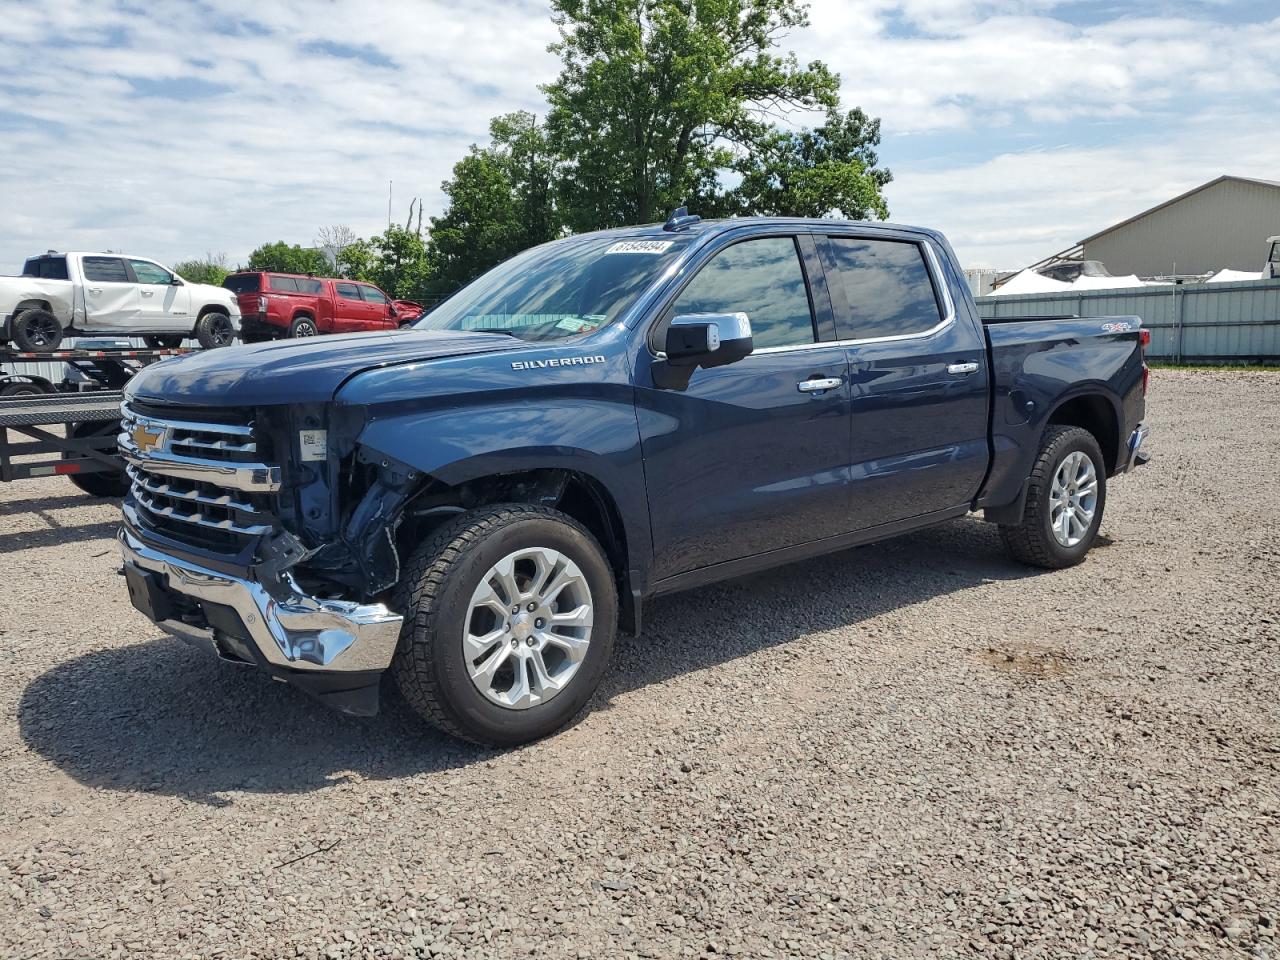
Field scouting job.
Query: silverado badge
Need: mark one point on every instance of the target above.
(146, 438)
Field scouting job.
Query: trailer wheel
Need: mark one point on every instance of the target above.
(22, 389)
(109, 484)
(214, 330)
(163, 341)
(36, 331)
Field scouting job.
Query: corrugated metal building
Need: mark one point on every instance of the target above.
(1223, 224)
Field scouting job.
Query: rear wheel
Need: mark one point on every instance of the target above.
(1065, 499)
(303, 327)
(36, 331)
(163, 341)
(510, 615)
(214, 330)
(112, 484)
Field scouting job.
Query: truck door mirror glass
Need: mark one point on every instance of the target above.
(175, 280)
(708, 339)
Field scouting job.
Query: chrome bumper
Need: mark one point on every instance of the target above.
(299, 633)
(1137, 456)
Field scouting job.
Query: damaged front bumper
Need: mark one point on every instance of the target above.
(335, 650)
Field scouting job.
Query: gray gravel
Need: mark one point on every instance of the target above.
(912, 749)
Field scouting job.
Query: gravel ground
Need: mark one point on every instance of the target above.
(913, 749)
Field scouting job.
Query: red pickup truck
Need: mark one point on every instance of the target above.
(275, 305)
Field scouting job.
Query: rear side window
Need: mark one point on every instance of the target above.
(372, 294)
(242, 283)
(106, 270)
(761, 278)
(46, 268)
(348, 291)
(307, 285)
(887, 288)
(283, 284)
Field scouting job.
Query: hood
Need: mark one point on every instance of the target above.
(212, 294)
(297, 371)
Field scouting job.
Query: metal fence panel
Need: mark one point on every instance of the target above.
(1188, 322)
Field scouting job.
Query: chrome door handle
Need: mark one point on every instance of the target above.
(95, 290)
(148, 293)
(962, 369)
(818, 384)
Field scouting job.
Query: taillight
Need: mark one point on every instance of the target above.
(1144, 341)
(262, 304)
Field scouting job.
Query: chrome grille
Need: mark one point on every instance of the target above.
(195, 480)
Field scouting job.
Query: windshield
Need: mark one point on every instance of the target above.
(558, 290)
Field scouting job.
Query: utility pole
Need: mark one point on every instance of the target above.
(388, 204)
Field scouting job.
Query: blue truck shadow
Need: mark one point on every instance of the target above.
(161, 717)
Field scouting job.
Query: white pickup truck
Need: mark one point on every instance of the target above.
(105, 293)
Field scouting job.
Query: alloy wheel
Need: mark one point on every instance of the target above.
(1073, 499)
(528, 628)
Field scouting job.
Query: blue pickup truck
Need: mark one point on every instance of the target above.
(478, 505)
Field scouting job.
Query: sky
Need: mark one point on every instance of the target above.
(1018, 127)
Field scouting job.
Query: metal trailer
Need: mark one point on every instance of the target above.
(31, 408)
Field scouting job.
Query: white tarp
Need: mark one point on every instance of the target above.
(1028, 281)
(1230, 276)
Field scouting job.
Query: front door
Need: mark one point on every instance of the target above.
(752, 456)
(111, 300)
(379, 315)
(348, 307)
(918, 379)
(162, 304)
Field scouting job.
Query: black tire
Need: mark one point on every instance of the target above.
(163, 341)
(36, 331)
(214, 330)
(303, 327)
(108, 484)
(1033, 541)
(434, 594)
(23, 390)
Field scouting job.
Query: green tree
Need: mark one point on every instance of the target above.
(813, 173)
(212, 269)
(656, 96)
(500, 202)
(281, 257)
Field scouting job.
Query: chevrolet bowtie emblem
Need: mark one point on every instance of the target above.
(146, 438)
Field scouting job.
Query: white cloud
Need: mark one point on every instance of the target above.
(1039, 131)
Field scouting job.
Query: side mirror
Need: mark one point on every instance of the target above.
(175, 280)
(708, 339)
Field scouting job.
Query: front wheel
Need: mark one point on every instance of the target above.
(1065, 499)
(214, 330)
(510, 615)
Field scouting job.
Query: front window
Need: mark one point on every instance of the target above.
(559, 289)
(148, 272)
(373, 294)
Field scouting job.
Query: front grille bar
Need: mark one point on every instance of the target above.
(145, 501)
(165, 488)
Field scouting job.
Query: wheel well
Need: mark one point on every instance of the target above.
(576, 494)
(1095, 414)
(212, 308)
(32, 305)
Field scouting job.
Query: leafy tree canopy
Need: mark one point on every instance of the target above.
(657, 97)
(281, 257)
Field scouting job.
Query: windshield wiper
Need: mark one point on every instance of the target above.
(495, 330)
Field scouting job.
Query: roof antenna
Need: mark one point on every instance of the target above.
(679, 219)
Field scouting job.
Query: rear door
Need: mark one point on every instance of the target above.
(752, 456)
(162, 304)
(380, 314)
(110, 294)
(918, 378)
